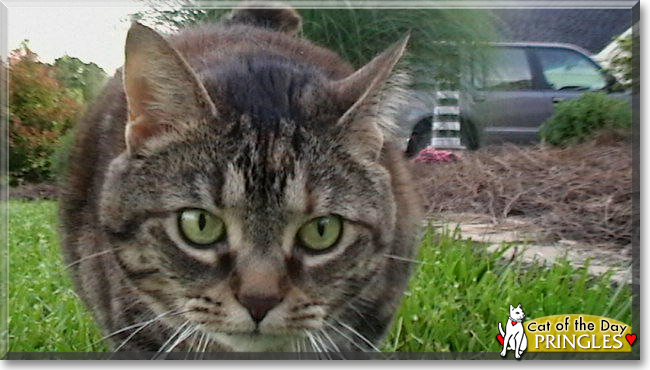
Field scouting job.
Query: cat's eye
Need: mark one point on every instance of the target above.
(321, 233)
(201, 227)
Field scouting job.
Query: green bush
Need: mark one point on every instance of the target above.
(59, 157)
(579, 119)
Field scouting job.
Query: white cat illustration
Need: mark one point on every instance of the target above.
(514, 337)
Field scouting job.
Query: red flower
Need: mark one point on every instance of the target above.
(433, 155)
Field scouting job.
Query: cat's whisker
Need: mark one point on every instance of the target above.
(320, 341)
(94, 255)
(355, 310)
(179, 337)
(299, 342)
(186, 334)
(314, 345)
(131, 327)
(318, 344)
(344, 335)
(326, 348)
(171, 337)
(198, 346)
(330, 339)
(197, 336)
(296, 347)
(404, 259)
(142, 327)
(311, 342)
(363, 338)
(208, 341)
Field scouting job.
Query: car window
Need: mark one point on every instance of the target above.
(502, 69)
(568, 70)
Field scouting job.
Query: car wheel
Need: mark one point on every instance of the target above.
(420, 137)
(469, 134)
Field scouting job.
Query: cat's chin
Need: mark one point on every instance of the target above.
(255, 342)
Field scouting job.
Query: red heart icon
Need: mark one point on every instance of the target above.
(514, 323)
(631, 338)
(500, 338)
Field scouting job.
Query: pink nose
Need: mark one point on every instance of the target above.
(259, 306)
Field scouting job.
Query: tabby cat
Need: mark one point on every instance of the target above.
(237, 188)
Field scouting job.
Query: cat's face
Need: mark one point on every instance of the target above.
(252, 231)
(219, 227)
(517, 313)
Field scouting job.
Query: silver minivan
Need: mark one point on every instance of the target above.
(509, 89)
(513, 87)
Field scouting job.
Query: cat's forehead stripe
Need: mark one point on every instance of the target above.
(266, 85)
(233, 192)
(297, 197)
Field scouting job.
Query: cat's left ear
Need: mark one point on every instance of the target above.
(162, 91)
(369, 116)
(519, 305)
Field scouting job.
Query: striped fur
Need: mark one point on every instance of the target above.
(259, 128)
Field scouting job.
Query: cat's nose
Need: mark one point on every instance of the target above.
(259, 306)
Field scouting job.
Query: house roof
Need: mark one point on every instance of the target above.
(591, 29)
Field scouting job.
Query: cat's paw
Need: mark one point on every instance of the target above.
(503, 353)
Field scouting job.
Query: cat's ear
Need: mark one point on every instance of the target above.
(519, 305)
(371, 101)
(512, 307)
(275, 15)
(162, 91)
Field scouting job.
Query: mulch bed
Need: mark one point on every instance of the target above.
(583, 192)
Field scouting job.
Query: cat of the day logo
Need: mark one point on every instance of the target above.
(563, 333)
(514, 337)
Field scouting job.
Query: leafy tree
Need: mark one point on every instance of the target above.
(41, 109)
(87, 78)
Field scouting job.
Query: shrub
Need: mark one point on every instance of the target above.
(579, 119)
(59, 157)
(41, 109)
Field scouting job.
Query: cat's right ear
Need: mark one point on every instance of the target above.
(369, 94)
(163, 93)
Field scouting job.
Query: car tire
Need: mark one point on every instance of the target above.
(420, 137)
(469, 134)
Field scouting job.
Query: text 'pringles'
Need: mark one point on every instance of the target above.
(578, 333)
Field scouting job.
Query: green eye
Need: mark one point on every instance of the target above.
(201, 227)
(321, 233)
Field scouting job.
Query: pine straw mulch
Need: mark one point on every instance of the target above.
(583, 192)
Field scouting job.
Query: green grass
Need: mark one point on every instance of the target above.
(45, 315)
(458, 295)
